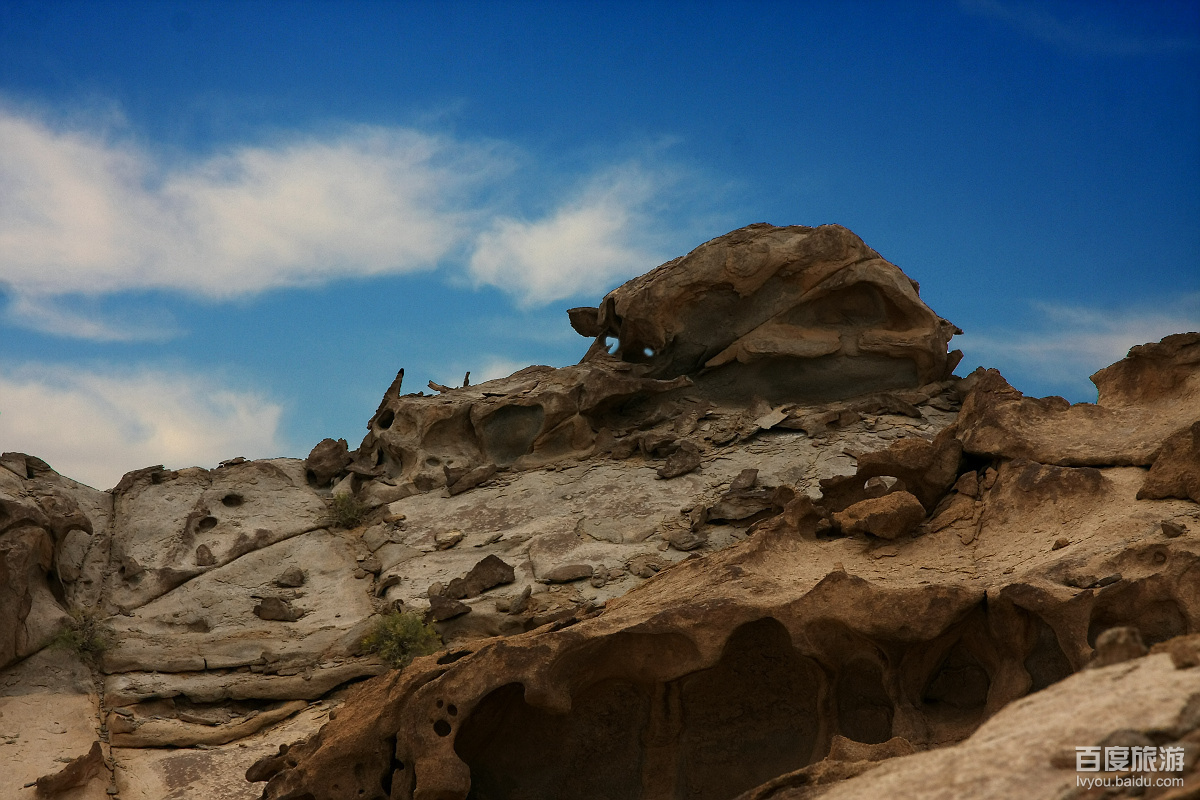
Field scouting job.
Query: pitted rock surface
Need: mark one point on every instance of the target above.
(748, 544)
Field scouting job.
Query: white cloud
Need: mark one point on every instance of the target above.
(1081, 34)
(86, 212)
(94, 426)
(586, 245)
(52, 315)
(1070, 343)
(81, 211)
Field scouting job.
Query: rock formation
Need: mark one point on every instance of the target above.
(749, 546)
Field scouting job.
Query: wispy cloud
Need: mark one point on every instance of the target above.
(77, 318)
(89, 211)
(1066, 344)
(1079, 34)
(95, 426)
(586, 245)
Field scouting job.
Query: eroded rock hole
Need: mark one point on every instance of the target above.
(960, 681)
(232, 500)
(517, 750)
(509, 432)
(1156, 618)
(441, 728)
(207, 523)
(750, 717)
(1046, 662)
(706, 736)
(864, 708)
(385, 420)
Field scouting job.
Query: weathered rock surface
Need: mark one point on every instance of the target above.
(790, 313)
(924, 638)
(1144, 399)
(793, 314)
(755, 548)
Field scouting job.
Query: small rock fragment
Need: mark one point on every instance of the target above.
(1115, 645)
(204, 556)
(1172, 530)
(447, 539)
(887, 517)
(291, 578)
(568, 572)
(490, 572)
(442, 608)
(277, 610)
(684, 460)
(1060, 543)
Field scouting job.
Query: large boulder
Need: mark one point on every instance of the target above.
(783, 313)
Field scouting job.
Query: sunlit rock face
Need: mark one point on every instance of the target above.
(762, 315)
(791, 313)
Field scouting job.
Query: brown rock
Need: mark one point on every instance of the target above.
(1143, 399)
(442, 608)
(684, 460)
(1116, 645)
(79, 772)
(276, 609)
(492, 571)
(327, 460)
(204, 556)
(1183, 650)
(775, 292)
(1172, 529)
(444, 540)
(887, 517)
(469, 479)
(290, 578)
(924, 469)
(567, 573)
(1176, 469)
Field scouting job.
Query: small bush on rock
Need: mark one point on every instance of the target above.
(400, 636)
(85, 634)
(346, 511)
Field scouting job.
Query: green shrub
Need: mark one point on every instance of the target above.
(400, 636)
(85, 634)
(346, 511)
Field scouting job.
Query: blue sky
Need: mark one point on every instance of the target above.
(225, 226)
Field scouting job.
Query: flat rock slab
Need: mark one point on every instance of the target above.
(210, 621)
(47, 712)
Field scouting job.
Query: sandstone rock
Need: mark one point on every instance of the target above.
(469, 479)
(291, 577)
(754, 310)
(157, 732)
(1176, 469)
(566, 573)
(788, 314)
(681, 462)
(1143, 399)
(447, 539)
(273, 608)
(1116, 645)
(492, 571)
(442, 608)
(924, 469)
(887, 517)
(79, 772)
(327, 460)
